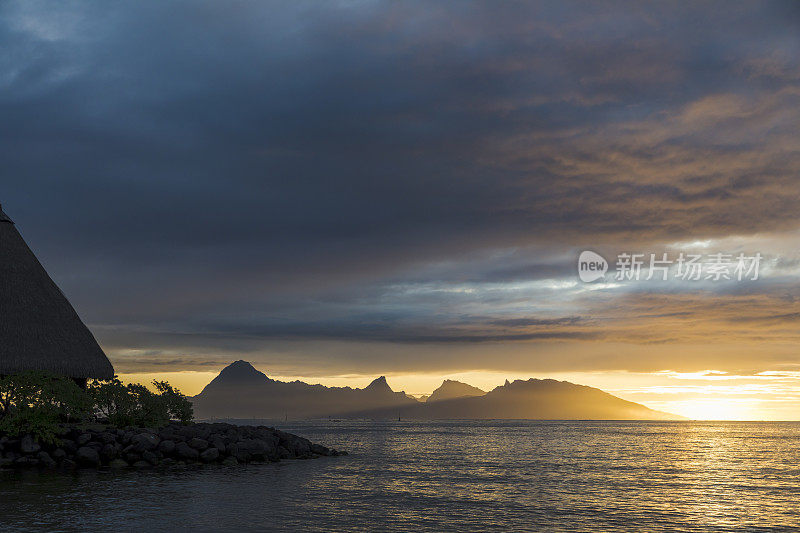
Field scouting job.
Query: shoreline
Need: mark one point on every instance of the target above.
(172, 446)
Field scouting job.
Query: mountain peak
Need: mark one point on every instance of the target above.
(450, 389)
(240, 373)
(379, 384)
(241, 363)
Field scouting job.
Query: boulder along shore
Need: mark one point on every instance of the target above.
(174, 445)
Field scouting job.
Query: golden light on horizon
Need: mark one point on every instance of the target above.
(711, 409)
(703, 395)
(188, 382)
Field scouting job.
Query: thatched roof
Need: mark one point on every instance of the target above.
(39, 329)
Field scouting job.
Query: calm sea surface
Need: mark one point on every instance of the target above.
(451, 476)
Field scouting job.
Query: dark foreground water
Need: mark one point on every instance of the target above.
(451, 476)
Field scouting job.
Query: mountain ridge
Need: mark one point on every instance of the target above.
(242, 391)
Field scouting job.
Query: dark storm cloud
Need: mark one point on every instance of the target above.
(301, 169)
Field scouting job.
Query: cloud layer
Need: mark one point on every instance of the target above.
(339, 185)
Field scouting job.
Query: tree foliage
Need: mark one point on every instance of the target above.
(178, 407)
(37, 402)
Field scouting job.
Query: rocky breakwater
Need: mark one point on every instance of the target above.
(171, 446)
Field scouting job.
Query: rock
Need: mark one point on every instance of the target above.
(198, 444)
(168, 433)
(187, 432)
(185, 451)
(236, 450)
(87, 456)
(202, 431)
(25, 461)
(167, 447)
(118, 463)
(132, 457)
(150, 457)
(127, 436)
(268, 435)
(218, 443)
(283, 453)
(255, 447)
(320, 450)
(28, 445)
(193, 444)
(145, 442)
(300, 447)
(45, 460)
(210, 455)
(109, 452)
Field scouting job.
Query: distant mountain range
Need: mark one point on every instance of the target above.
(241, 391)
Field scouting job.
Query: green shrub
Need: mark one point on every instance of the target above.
(151, 409)
(37, 402)
(178, 406)
(136, 405)
(113, 402)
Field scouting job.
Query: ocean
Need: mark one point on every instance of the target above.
(450, 476)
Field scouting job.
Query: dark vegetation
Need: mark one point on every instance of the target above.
(38, 404)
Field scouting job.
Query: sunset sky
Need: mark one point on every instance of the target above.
(335, 191)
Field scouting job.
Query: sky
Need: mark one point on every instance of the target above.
(336, 191)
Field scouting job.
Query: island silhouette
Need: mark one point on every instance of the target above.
(242, 391)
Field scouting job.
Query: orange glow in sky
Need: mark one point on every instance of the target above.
(705, 395)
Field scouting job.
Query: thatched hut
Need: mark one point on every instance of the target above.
(39, 329)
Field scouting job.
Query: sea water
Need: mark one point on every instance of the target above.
(450, 476)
